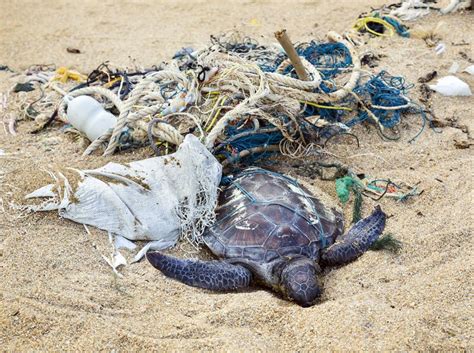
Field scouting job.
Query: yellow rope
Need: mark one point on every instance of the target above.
(63, 74)
(220, 102)
(362, 23)
(111, 82)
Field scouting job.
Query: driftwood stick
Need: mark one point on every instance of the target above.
(290, 50)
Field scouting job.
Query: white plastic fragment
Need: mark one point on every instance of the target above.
(451, 86)
(153, 245)
(115, 261)
(454, 68)
(160, 198)
(178, 103)
(45, 191)
(123, 243)
(440, 48)
(469, 69)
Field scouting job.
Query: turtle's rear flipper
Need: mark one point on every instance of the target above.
(357, 241)
(213, 275)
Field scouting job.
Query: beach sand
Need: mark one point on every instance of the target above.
(58, 294)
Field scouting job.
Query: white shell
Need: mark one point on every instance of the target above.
(469, 69)
(451, 86)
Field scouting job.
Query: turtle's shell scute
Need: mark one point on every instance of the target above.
(263, 216)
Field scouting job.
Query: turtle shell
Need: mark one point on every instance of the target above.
(264, 215)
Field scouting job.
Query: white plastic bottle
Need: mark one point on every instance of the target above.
(89, 117)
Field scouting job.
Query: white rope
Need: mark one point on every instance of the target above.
(138, 91)
(165, 132)
(244, 107)
(124, 107)
(293, 82)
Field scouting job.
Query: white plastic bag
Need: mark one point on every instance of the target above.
(411, 10)
(155, 199)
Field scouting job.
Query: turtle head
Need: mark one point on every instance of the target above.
(299, 281)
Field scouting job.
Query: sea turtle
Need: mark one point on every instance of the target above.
(269, 229)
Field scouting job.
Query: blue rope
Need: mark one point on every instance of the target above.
(329, 58)
(401, 29)
(233, 146)
(383, 90)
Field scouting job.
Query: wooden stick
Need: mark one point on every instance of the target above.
(290, 50)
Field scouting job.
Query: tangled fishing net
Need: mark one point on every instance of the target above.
(241, 98)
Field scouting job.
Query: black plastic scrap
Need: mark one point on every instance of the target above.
(23, 87)
(428, 77)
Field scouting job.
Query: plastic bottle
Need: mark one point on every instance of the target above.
(89, 117)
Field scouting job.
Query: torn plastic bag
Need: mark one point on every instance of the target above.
(156, 199)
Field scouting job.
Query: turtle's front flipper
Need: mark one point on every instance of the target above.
(358, 240)
(213, 275)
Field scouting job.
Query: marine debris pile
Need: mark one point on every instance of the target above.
(241, 98)
(230, 104)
